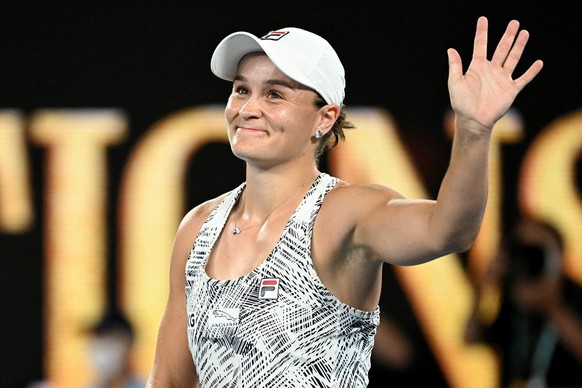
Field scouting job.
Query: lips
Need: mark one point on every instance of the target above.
(249, 130)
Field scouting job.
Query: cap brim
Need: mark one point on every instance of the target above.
(230, 51)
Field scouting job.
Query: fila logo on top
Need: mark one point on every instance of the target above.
(274, 35)
(269, 289)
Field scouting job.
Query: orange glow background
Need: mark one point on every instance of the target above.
(152, 202)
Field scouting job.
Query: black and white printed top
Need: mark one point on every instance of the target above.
(277, 326)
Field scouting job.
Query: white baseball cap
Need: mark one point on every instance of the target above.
(301, 55)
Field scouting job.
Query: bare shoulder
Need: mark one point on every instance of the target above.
(193, 220)
(358, 198)
(199, 213)
(346, 265)
(347, 203)
(357, 189)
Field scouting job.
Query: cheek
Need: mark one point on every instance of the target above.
(301, 120)
(228, 115)
(231, 110)
(307, 121)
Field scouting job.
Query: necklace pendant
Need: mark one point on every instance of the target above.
(236, 230)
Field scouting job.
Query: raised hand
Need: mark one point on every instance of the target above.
(486, 91)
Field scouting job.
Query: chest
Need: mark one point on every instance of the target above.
(236, 255)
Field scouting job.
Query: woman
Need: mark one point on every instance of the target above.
(283, 273)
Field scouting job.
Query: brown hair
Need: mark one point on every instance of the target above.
(336, 134)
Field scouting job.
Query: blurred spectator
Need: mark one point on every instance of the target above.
(110, 343)
(109, 352)
(536, 326)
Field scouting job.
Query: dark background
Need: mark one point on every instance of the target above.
(151, 59)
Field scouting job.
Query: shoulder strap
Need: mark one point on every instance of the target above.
(215, 222)
(308, 209)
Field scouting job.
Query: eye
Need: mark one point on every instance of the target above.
(274, 94)
(240, 90)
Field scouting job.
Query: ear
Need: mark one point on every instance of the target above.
(328, 116)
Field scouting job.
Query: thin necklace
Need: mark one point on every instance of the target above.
(236, 230)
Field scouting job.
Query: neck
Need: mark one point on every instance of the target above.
(280, 197)
(266, 189)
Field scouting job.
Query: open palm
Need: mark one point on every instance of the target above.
(486, 91)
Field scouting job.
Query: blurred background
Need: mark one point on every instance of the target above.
(111, 128)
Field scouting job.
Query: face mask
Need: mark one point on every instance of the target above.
(108, 355)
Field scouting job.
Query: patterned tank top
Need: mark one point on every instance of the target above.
(277, 326)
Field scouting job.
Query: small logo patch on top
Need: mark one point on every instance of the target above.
(269, 289)
(274, 35)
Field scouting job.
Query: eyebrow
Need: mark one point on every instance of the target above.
(277, 82)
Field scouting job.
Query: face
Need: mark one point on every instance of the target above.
(109, 353)
(271, 118)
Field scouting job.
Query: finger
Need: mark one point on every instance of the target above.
(515, 54)
(455, 64)
(529, 75)
(480, 43)
(505, 44)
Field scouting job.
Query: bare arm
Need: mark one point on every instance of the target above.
(408, 232)
(173, 364)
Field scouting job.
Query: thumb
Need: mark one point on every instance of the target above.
(455, 64)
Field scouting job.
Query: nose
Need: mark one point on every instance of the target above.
(249, 109)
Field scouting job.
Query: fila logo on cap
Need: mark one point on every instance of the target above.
(274, 35)
(269, 289)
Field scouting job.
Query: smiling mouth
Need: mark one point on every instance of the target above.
(247, 129)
